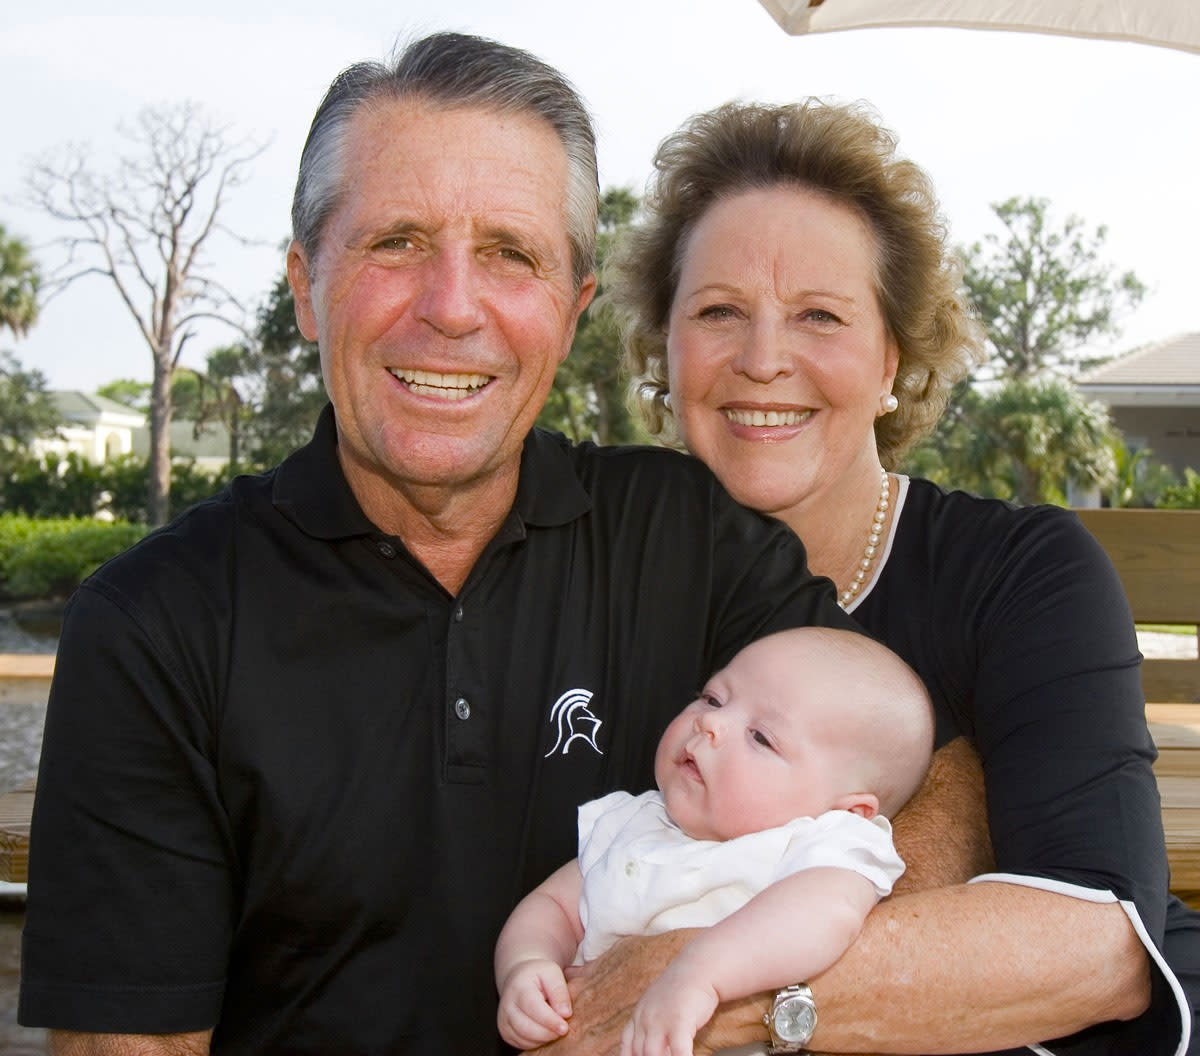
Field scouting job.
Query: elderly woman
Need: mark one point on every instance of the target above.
(792, 317)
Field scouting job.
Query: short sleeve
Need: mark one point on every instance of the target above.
(842, 840)
(130, 868)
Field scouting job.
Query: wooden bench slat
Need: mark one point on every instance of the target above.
(1175, 681)
(1157, 556)
(15, 810)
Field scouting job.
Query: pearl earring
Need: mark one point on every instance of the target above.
(889, 403)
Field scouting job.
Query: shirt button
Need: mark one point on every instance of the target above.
(386, 549)
(462, 709)
(458, 614)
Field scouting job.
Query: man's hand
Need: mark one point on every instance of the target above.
(605, 992)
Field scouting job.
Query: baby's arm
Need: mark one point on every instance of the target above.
(537, 942)
(789, 932)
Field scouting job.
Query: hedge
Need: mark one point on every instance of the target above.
(45, 558)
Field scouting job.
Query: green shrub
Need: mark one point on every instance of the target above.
(15, 529)
(1185, 496)
(50, 558)
(70, 486)
(57, 486)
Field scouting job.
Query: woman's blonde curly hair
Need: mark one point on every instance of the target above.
(842, 152)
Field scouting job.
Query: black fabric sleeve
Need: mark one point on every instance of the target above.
(1060, 720)
(131, 899)
(1060, 724)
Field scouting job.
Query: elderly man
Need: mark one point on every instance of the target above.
(307, 745)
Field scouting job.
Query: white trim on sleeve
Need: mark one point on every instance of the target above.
(1091, 894)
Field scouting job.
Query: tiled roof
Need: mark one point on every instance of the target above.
(76, 406)
(1174, 362)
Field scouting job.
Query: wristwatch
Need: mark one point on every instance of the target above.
(792, 1019)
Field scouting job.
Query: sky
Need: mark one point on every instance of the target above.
(1105, 130)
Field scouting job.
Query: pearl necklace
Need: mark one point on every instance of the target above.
(868, 558)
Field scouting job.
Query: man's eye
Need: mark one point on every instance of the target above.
(394, 243)
(515, 256)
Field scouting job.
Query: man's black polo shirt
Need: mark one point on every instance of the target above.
(291, 785)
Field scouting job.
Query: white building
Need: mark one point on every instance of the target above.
(96, 428)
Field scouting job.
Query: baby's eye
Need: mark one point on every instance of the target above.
(710, 700)
(761, 738)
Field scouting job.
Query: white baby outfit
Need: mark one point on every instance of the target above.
(643, 875)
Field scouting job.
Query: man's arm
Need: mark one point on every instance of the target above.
(918, 955)
(70, 1043)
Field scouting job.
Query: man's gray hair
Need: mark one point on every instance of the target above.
(451, 70)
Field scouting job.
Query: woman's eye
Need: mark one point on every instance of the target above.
(821, 315)
(716, 312)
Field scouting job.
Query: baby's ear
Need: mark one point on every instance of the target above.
(864, 804)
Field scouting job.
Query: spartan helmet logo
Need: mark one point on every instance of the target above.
(575, 722)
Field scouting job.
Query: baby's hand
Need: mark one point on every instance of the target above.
(534, 1004)
(666, 1019)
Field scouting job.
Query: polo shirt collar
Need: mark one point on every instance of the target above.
(311, 490)
(549, 491)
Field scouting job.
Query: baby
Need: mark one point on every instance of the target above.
(769, 830)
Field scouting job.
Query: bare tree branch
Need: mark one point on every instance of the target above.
(145, 224)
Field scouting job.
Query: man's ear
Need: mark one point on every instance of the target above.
(300, 279)
(864, 804)
(586, 292)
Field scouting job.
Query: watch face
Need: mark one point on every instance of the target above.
(795, 1020)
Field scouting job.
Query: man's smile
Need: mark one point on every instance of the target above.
(443, 386)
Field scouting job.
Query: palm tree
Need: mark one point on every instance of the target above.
(1022, 441)
(19, 282)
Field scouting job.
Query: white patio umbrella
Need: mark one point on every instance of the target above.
(1171, 23)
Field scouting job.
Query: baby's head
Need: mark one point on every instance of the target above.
(798, 723)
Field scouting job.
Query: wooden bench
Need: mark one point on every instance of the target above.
(1157, 556)
(15, 810)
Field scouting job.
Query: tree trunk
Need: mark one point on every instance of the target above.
(158, 504)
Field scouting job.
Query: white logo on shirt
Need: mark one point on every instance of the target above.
(575, 722)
